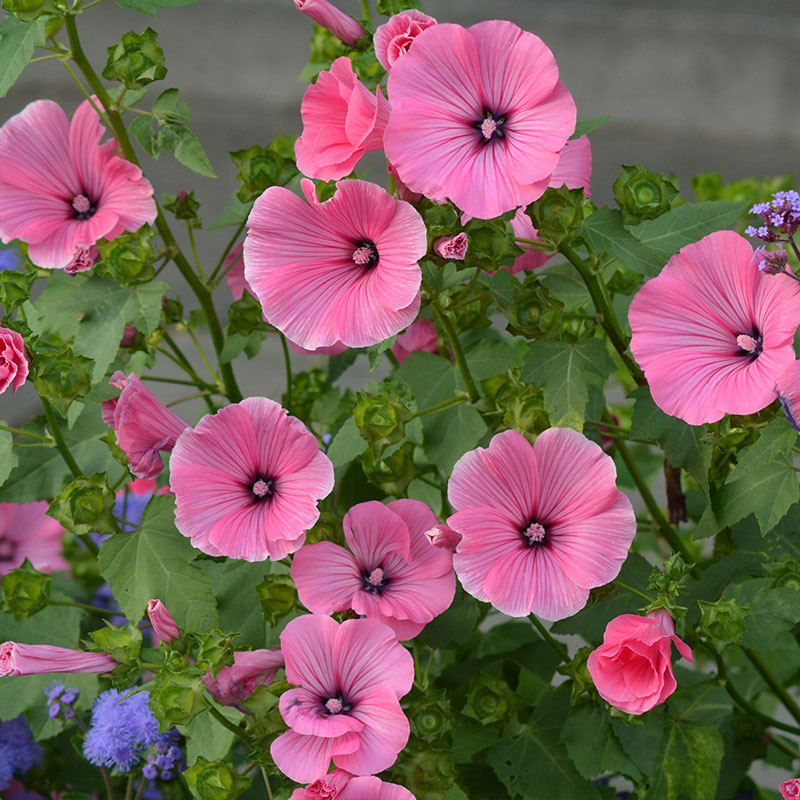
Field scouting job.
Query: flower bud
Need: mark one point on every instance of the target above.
(430, 717)
(62, 377)
(453, 248)
(171, 310)
(642, 194)
(245, 315)
(176, 698)
(164, 626)
(215, 780)
(324, 13)
(136, 61)
(723, 621)
(122, 644)
(428, 773)
(183, 206)
(128, 259)
(258, 168)
(444, 537)
(25, 591)
(278, 597)
(770, 262)
(391, 473)
(557, 213)
(85, 506)
(214, 651)
(488, 699)
(381, 416)
(28, 10)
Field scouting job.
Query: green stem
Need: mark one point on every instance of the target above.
(445, 404)
(182, 361)
(121, 135)
(287, 363)
(196, 257)
(461, 361)
(101, 612)
(229, 725)
(605, 309)
(177, 381)
(266, 781)
(129, 788)
(186, 397)
(777, 687)
(107, 781)
(365, 12)
(203, 357)
(225, 252)
(548, 637)
(142, 787)
(58, 438)
(782, 744)
(632, 590)
(21, 432)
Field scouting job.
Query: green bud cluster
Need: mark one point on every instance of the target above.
(25, 591)
(136, 61)
(642, 194)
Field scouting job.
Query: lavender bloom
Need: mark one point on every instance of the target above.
(9, 258)
(60, 700)
(783, 213)
(18, 750)
(771, 262)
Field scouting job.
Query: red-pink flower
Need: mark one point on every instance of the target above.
(247, 480)
(540, 525)
(452, 247)
(392, 573)
(143, 424)
(27, 532)
(393, 38)
(344, 786)
(478, 116)
(250, 669)
(164, 626)
(328, 787)
(61, 190)
(790, 790)
(421, 335)
(36, 659)
(342, 120)
(13, 362)
(351, 678)
(632, 669)
(711, 333)
(787, 387)
(340, 271)
(337, 22)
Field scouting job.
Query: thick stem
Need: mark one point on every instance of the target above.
(107, 782)
(777, 687)
(229, 725)
(458, 352)
(101, 612)
(287, 363)
(58, 438)
(443, 406)
(548, 637)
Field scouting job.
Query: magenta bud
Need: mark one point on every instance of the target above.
(161, 620)
(452, 247)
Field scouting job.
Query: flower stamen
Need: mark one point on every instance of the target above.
(84, 208)
(534, 534)
(365, 254)
(262, 488)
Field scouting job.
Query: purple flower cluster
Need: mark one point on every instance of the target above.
(168, 757)
(18, 750)
(781, 213)
(60, 700)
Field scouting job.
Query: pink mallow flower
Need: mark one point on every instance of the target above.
(37, 659)
(143, 424)
(711, 333)
(13, 362)
(250, 669)
(234, 275)
(342, 120)
(341, 785)
(340, 271)
(27, 532)
(247, 480)
(541, 524)
(164, 626)
(61, 190)
(392, 573)
(351, 678)
(452, 247)
(632, 669)
(421, 335)
(443, 536)
(393, 38)
(344, 28)
(478, 116)
(790, 790)
(787, 388)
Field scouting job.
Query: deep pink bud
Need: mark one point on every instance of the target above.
(84, 259)
(330, 17)
(250, 669)
(454, 247)
(36, 659)
(13, 363)
(393, 39)
(444, 537)
(164, 626)
(790, 790)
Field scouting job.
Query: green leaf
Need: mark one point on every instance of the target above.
(772, 611)
(584, 126)
(687, 224)
(170, 104)
(235, 213)
(8, 456)
(488, 356)
(207, 738)
(564, 283)
(604, 232)
(536, 766)
(189, 151)
(155, 563)
(151, 6)
(455, 626)
(17, 42)
(347, 444)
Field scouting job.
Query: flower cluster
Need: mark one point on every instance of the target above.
(60, 701)
(18, 750)
(781, 215)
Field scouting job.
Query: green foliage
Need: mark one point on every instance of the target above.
(25, 591)
(136, 61)
(258, 168)
(8, 456)
(17, 41)
(642, 194)
(605, 232)
(86, 505)
(584, 126)
(215, 780)
(152, 6)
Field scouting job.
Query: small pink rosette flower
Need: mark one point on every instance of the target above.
(164, 626)
(420, 335)
(452, 247)
(36, 659)
(632, 669)
(13, 362)
(27, 532)
(790, 790)
(250, 669)
(341, 785)
(393, 39)
(344, 28)
(342, 120)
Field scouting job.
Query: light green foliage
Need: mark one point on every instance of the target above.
(17, 41)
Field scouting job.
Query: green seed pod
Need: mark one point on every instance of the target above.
(258, 168)
(25, 590)
(278, 597)
(535, 313)
(129, 258)
(425, 772)
(642, 194)
(391, 473)
(430, 717)
(85, 506)
(176, 698)
(28, 10)
(557, 213)
(215, 780)
(136, 61)
(723, 621)
(488, 699)
(122, 644)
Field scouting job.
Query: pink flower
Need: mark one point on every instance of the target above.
(331, 350)
(711, 333)
(443, 536)
(36, 659)
(247, 480)
(541, 525)
(574, 170)
(250, 669)
(337, 22)
(143, 424)
(61, 190)
(478, 116)
(328, 787)
(83, 260)
(632, 669)
(164, 626)
(13, 363)
(27, 532)
(372, 788)
(234, 264)
(453, 247)
(787, 387)
(342, 120)
(421, 335)
(392, 575)
(352, 677)
(403, 192)
(393, 38)
(340, 271)
(790, 790)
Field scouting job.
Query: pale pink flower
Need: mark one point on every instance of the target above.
(443, 536)
(234, 275)
(632, 669)
(61, 190)
(351, 678)
(164, 626)
(143, 424)
(540, 525)
(790, 790)
(342, 120)
(787, 387)
(478, 116)
(36, 659)
(27, 532)
(421, 335)
(13, 362)
(392, 573)
(452, 247)
(331, 350)
(393, 38)
(340, 271)
(250, 669)
(711, 333)
(344, 28)
(247, 480)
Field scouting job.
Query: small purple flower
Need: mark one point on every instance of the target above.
(782, 212)
(150, 772)
(59, 700)
(18, 750)
(771, 262)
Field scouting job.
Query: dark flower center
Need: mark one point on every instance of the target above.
(491, 126)
(7, 549)
(374, 581)
(535, 534)
(83, 207)
(262, 488)
(366, 254)
(750, 344)
(337, 705)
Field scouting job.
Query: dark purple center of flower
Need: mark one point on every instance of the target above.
(750, 344)
(262, 488)
(83, 207)
(337, 705)
(491, 126)
(7, 550)
(374, 581)
(535, 534)
(365, 254)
